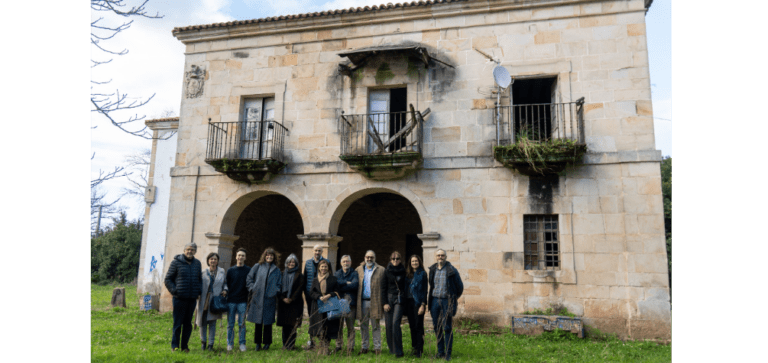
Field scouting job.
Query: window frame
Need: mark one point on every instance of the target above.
(543, 229)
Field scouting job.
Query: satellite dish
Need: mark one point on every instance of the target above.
(501, 77)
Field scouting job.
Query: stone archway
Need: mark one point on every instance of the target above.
(268, 226)
(379, 221)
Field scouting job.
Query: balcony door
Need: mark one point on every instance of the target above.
(258, 131)
(386, 109)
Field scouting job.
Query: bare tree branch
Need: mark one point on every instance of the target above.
(109, 104)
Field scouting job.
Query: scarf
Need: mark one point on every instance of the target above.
(323, 286)
(288, 277)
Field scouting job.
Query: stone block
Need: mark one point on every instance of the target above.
(634, 30)
(654, 263)
(484, 304)
(602, 46)
(603, 278)
(627, 293)
(446, 134)
(487, 224)
(600, 20)
(650, 329)
(598, 262)
(547, 37)
(472, 290)
(604, 308)
(118, 297)
(485, 42)
(654, 310)
(477, 275)
(645, 279)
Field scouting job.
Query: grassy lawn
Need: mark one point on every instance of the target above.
(128, 335)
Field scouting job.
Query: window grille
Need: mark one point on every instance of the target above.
(542, 242)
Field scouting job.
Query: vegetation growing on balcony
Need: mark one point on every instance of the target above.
(230, 166)
(547, 156)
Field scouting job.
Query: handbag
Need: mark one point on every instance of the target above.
(218, 304)
(334, 307)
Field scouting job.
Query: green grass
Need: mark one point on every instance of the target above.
(128, 335)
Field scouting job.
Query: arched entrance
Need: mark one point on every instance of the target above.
(270, 221)
(382, 222)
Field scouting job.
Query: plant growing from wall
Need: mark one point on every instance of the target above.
(540, 155)
(413, 68)
(384, 73)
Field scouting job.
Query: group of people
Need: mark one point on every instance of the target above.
(256, 294)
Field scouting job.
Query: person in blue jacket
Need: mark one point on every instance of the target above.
(416, 302)
(184, 281)
(348, 282)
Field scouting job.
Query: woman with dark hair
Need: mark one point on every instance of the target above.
(214, 283)
(394, 303)
(416, 302)
(264, 283)
(290, 305)
(324, 286)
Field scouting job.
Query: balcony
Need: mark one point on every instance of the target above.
(382, 146)
(540, 139)
(246, 151)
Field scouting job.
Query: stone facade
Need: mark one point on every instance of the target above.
(613, 269)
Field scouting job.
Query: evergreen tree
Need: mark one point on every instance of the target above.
(115, 254)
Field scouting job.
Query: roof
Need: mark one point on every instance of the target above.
(326, 13)
(360, 56)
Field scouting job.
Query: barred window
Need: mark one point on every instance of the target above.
(542, 242)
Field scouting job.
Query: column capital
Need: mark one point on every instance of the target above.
(329, 243)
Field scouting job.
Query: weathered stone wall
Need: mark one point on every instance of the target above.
(613, 269)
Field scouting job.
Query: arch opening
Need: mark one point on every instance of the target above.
(270, 221)
(382, 222)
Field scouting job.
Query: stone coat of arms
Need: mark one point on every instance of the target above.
(194, 79)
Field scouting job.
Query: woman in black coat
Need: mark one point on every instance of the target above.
(394, 303)
(324, 286)
(290, 305)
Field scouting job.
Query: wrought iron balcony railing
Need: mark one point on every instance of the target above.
(245, 140)
(381, 133)
(540, 122)
(248, 151)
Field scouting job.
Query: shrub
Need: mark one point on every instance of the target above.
(115, 254)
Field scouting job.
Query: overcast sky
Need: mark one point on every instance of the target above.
(154, 65)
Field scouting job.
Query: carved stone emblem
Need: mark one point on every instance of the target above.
(194, 79)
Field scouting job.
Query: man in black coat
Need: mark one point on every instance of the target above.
(445, 289)
(185, 282)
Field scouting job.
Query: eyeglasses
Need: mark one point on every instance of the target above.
(369, 257)
(395, 258)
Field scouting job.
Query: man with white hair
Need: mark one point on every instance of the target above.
(370, 300)
(445, 289)
(310, 272)
(348, 282)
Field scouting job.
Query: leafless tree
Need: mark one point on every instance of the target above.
(138, 162)
(108, 104)
(108, 209)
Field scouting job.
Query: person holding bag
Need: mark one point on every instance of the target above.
(394, 303)
(323, 288)
(290, 305)
(348, 285)
(416, 302)
(264, 282)
(214, 284)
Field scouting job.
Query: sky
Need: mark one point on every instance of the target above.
(155, 59)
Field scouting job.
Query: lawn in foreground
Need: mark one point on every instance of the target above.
(128, 335)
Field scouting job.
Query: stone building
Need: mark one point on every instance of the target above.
(389, 128)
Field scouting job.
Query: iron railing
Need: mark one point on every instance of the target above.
(381, 133)
(245, 140)
(540, 122)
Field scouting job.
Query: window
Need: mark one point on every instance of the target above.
(387, 115)
(542, 242)
(258, 130)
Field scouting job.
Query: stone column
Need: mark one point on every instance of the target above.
(222, 244)
(429, 247)
(329, 242)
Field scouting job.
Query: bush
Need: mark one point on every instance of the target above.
(115, 254)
